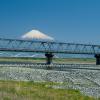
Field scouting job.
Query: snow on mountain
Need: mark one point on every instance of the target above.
(35, 34)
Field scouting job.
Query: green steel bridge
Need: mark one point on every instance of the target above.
(49, 48)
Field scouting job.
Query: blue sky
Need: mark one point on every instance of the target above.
(65, 20)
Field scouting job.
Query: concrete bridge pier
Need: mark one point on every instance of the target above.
(49, 57)
(97, 56)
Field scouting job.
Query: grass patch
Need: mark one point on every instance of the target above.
(43, 60)
(75, 60)
(19, 90)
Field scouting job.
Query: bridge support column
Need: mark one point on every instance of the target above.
(97, 56)
(49, 57)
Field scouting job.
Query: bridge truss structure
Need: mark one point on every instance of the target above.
(49, 48)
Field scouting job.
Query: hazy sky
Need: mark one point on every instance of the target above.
(65, 20)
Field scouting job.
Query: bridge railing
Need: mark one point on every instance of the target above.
(52, 47)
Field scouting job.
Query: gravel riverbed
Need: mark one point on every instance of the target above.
(87, 81)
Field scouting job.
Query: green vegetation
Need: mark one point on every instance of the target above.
(55, 60)
(21, 59)
(75, 60)
(18, 90)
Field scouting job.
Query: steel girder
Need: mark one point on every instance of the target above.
(47, 47)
